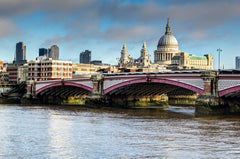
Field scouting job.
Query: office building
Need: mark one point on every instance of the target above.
(237, 62)
(43, 52)
(12, 71)
(54, 52)
(48, 69)
(80, 69)
(85, 57)
(20, 54)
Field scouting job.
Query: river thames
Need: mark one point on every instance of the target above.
(75, 132)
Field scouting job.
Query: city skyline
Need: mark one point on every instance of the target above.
(201, 27)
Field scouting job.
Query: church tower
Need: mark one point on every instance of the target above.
(124, 56)
(144, 59)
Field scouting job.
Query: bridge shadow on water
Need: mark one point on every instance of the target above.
(173, 112)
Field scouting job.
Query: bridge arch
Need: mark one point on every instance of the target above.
(155, 80)
(229, 90)
(77, 85)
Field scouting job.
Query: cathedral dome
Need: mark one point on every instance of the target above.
(167, 40)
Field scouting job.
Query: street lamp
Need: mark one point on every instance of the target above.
(219, 51)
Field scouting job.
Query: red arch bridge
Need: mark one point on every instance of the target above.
(225, 83)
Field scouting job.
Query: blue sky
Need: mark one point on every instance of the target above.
(201, 27)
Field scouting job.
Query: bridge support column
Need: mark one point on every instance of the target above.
(210, 80)
(209, 103)
(97, 81)
(30, 88)
(95, 99)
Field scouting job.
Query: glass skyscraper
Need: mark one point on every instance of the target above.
(238, 62)
(85, 57)
(20, 53)
(54, 52)
(43, 52)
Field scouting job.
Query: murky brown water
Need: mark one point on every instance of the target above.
(73, 132)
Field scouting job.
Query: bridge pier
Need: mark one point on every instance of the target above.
(95, 98)
(210, 103)
(30, 89)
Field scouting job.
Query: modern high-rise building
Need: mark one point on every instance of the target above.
(85, 57)
(43, 52)
(238, 62)
(20, 53)
(54, 52)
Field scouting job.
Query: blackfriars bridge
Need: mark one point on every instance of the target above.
(225, 83)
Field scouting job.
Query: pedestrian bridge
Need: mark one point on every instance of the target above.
(223, 83)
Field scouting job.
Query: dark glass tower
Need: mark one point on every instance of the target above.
(43, 52)
(20, 53)
(85, 57)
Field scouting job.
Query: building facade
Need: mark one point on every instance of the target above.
(4, 78)
(12, 71)
(187, 61)
(85, 57)
(54, 52)
(49, 69)
(80, 69)
(237, 62)
(22, 73)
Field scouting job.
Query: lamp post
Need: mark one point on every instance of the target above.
(219, 51)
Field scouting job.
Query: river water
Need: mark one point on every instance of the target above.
(75, 132)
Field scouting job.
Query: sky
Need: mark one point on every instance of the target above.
(102, 26)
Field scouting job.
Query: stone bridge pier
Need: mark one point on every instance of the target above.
(95, 98)
(210, 80)
(211, 103)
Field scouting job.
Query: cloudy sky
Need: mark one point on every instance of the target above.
(200, 26)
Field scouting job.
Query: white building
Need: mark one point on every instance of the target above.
(47, 69)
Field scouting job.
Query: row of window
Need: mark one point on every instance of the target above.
(50, 74)
(49, 64)
(50, 69)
